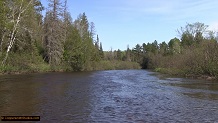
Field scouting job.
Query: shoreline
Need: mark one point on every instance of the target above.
(191, 76)
(182, 73)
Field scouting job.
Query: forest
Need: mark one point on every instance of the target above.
(33, 42)
(195, 54)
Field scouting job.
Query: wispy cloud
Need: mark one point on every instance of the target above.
(213, 26)
(192, 10)
(148, 6)
(170, 10)
(128, 21)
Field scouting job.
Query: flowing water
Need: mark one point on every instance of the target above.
(114, 96)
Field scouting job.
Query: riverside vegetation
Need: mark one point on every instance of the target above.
(194, 55)
(30, 42)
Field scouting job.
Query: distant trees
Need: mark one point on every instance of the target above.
(194, 54)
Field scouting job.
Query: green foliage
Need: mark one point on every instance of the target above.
(174, 46)
(101, 52)
(195, 55)
(30, 44)
(54, 44)
(163, 48)
(21, 63)
(2, 14)
(192, 33)
(72, 50)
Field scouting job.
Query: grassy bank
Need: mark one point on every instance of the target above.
(184, 73)
(24, 63)
(27, 65)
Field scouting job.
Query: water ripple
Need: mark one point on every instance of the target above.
(131, 96)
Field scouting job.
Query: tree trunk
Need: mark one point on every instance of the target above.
(13, 34)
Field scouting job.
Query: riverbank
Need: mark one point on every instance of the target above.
(184, 73)
(43, 67)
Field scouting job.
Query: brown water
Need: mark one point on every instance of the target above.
(109, 96)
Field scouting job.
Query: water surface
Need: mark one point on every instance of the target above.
(109, 96)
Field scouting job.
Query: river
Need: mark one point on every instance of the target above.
(116, 96)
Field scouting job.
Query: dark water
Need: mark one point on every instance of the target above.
(109, 96)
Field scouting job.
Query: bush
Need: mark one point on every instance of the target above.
(21, 63)
(196, 60)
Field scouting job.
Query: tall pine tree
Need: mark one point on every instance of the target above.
(54, 33)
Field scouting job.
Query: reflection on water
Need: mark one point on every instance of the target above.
(202, 95)
(201, 89)
(109, 96)
(17, 97)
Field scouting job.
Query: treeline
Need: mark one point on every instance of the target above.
(55, 42)
(195, 54)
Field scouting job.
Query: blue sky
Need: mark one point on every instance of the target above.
(129, 22)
